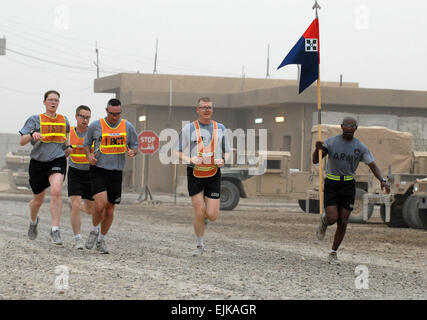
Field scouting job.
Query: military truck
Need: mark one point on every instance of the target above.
(414, 210)
(17, 163)
(392, 150)
(406, 205)
(269, 183)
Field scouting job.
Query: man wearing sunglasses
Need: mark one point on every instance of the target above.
(79, 186)
(48, 133)
(344, 154)
(208, 147)
(113, 139)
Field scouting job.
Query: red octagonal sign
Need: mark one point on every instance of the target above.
(148, 141)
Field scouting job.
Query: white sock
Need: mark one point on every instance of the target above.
(101, 237)
(96, 228)
(33, 222)
(55, 228)
(78, 236)
(332, 251)
(200, 241)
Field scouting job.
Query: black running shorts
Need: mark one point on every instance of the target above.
(339, 193)
(79, 183)
(40, 172)
(210, 186)
(107, 180)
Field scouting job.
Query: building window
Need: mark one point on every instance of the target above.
(286, 143)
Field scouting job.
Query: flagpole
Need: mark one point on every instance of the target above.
(319, 134)
(319, 129)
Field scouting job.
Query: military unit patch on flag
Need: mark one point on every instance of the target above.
(310, 45)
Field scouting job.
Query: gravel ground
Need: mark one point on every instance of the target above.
(253, 252)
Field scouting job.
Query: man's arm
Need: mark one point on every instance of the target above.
(377, 173)
(132, 144)
(90, 157)
(87, 143)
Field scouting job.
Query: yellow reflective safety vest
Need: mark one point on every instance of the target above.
(78, 155)
(113, 139)
(53, 129)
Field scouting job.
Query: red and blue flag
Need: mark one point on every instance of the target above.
(306, 53)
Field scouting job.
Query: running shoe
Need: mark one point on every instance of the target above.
(79, 244)
(101, 247)
(321, 228)
(32, 230)
(199, 251)
(333, 258)
(90, 242)
(55, 237)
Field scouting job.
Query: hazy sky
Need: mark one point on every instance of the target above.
(377, 43)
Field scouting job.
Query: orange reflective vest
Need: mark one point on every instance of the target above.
(53, 129)
(78, 155)
(113, 139)
(207, 168)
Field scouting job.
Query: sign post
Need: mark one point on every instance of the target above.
(148, 144)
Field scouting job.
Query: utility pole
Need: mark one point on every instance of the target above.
(3, 46)
(243, 78)
(155, 57)
(267, 76)
(97, 60)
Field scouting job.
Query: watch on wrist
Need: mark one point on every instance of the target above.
(31, 133)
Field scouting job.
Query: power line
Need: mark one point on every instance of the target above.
(57, 63)
(48, 61)
(128, 56)
(47, 70)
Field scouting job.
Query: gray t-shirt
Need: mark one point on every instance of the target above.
(187, 141)
(344, 156)
(79, 166)
(110, 161)
(44, 152)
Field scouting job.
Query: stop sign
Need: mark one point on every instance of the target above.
(148, 141)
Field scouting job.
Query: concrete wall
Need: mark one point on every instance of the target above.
(9, 142)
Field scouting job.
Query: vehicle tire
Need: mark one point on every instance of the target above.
(230, 195)
(313, 204)
(357, 213)
(411, 213)
(396, 214)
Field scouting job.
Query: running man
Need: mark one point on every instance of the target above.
(208, 148)
(345, 152)
(47, 132)
(79, 186)
(114, 138)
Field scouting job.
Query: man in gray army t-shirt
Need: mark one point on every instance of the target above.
(114, 138)
(344, 154)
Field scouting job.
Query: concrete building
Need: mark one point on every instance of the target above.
(155, 102)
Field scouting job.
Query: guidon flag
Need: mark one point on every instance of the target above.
(306, 53)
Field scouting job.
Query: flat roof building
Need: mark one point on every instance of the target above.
(165, 101)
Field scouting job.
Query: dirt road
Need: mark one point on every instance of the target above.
(253, 253)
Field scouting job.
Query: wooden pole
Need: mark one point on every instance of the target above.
(319, 133)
